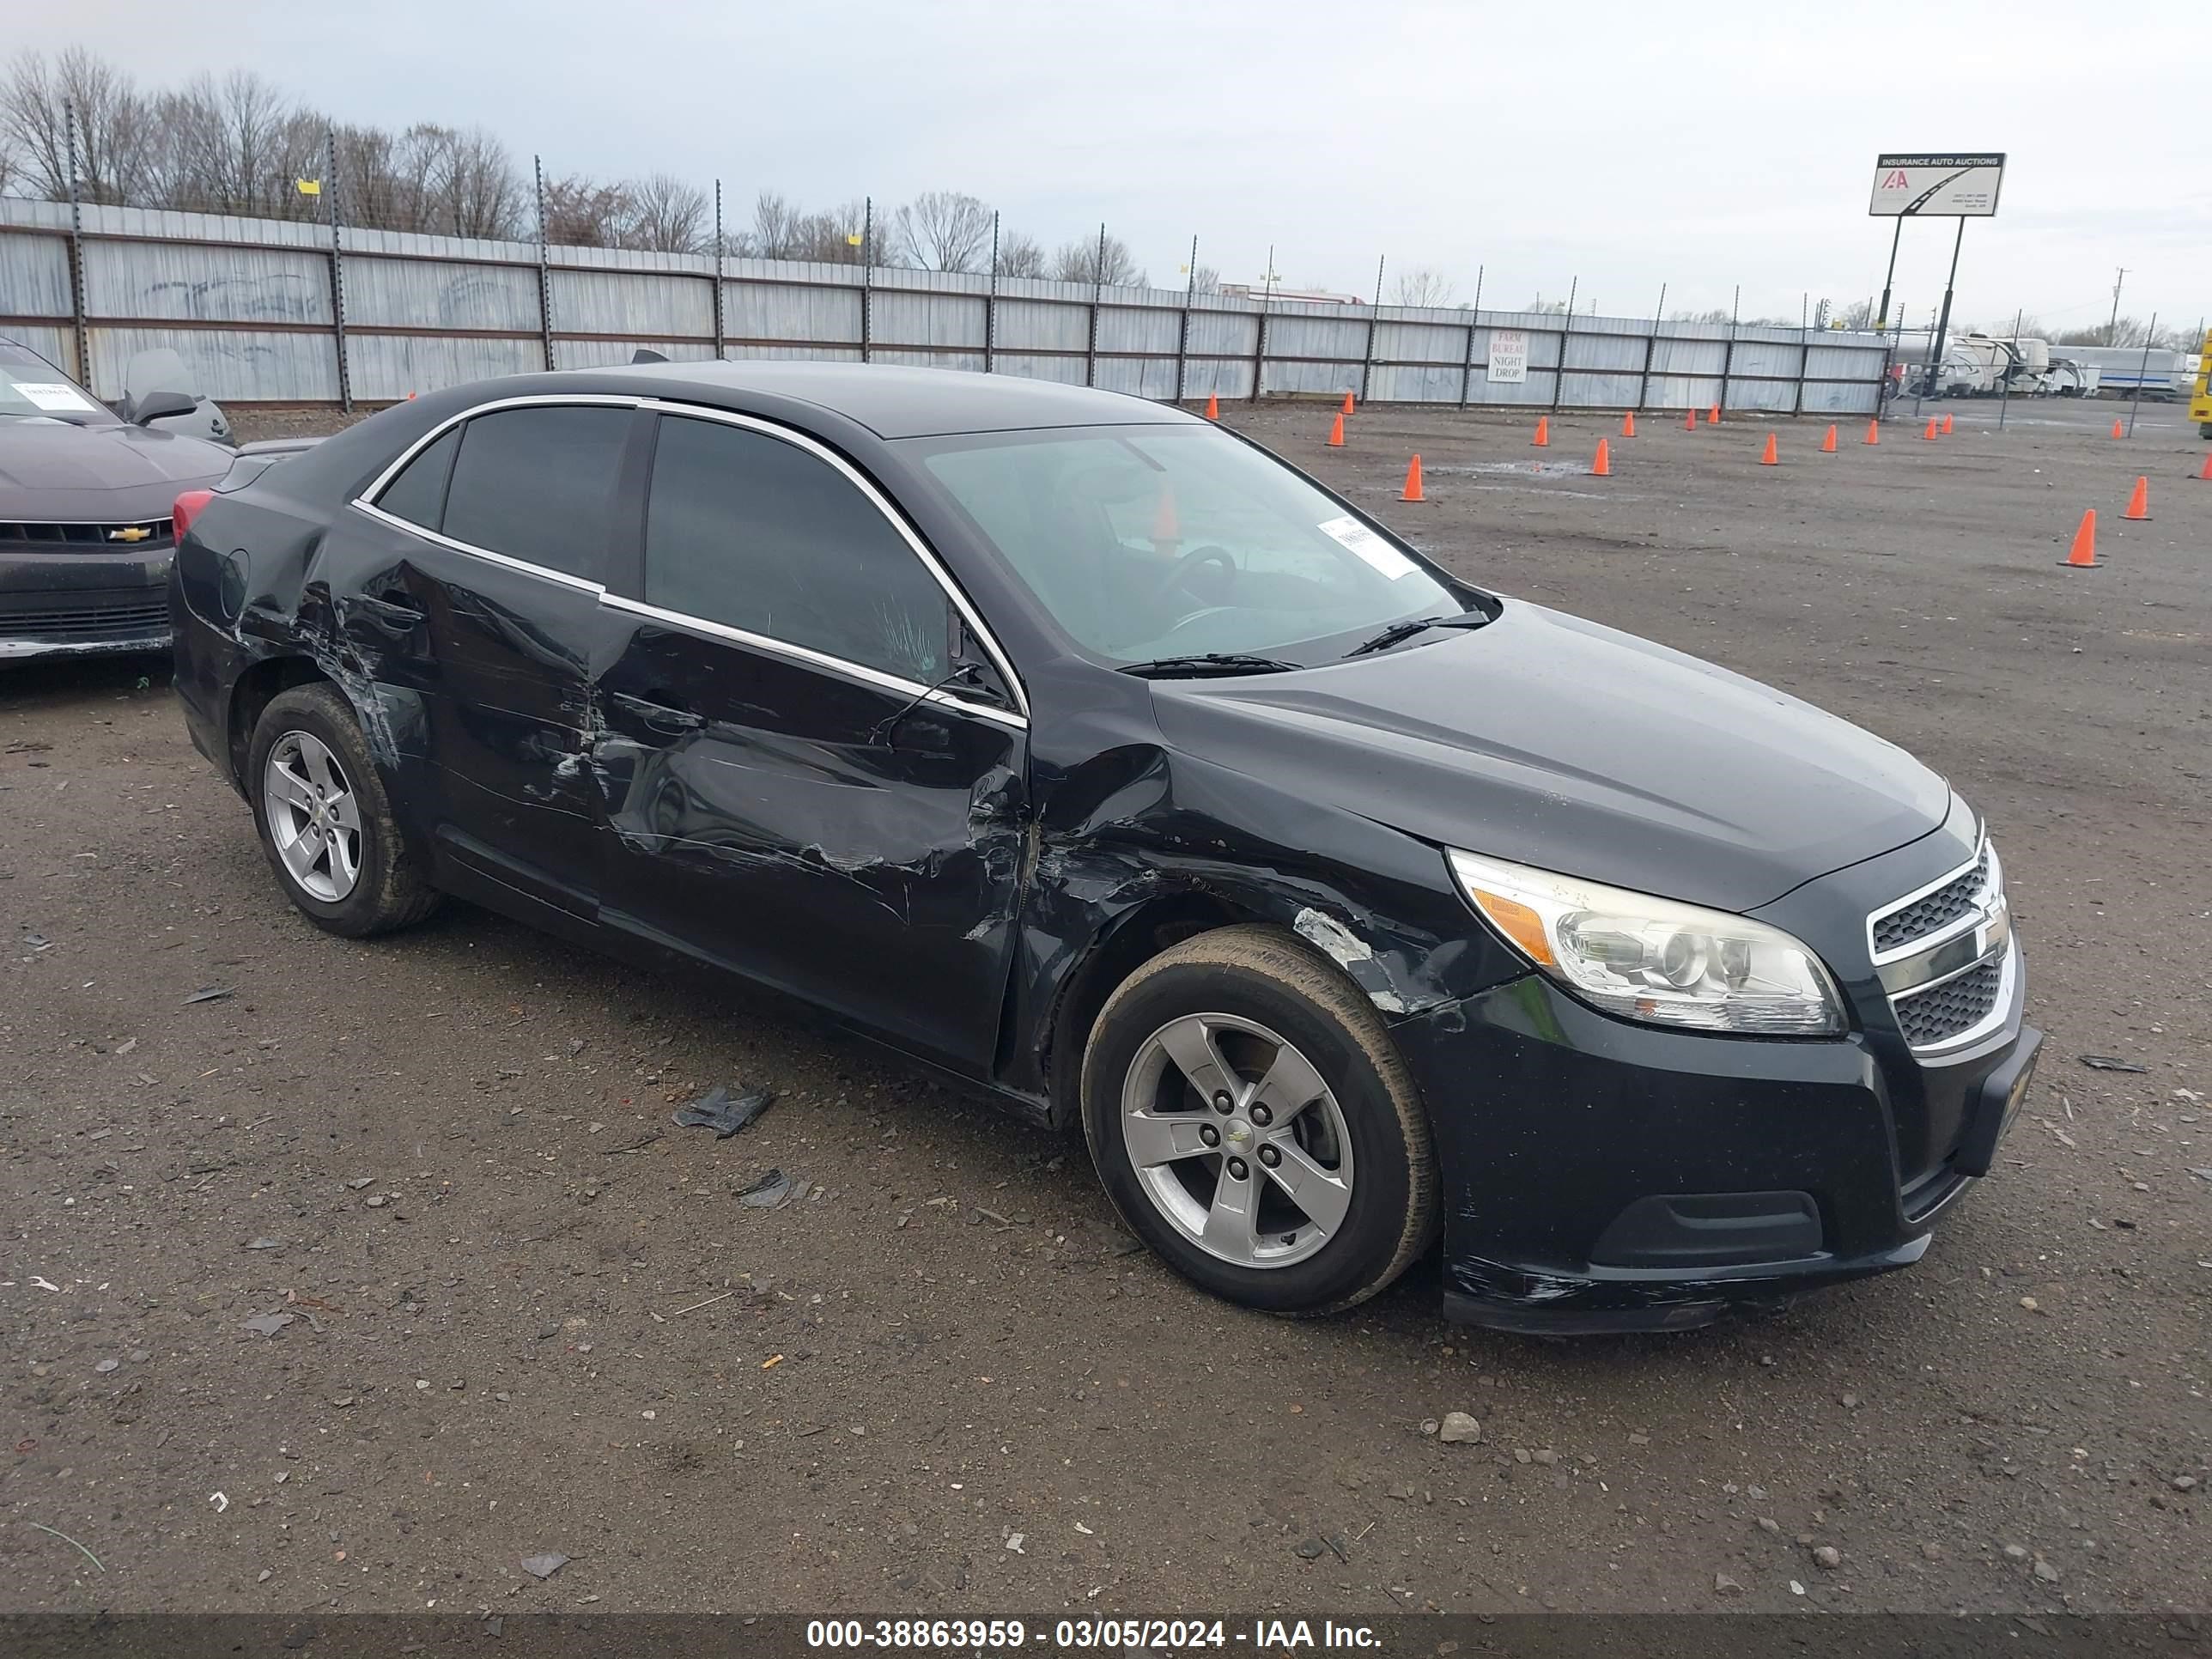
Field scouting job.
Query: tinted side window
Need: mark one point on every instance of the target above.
(418, 494)
(747, 530)
(539, 484)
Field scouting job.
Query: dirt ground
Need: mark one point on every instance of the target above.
(516, 1311)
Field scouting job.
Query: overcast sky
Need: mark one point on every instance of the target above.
(1626, 145)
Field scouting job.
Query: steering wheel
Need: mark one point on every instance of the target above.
(1180, 571)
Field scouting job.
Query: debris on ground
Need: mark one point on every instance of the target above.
(1460, 1429)
(769, 1192)
(220, 992)
(545, 1566)
(723, 1112)
(266, 1245)
(268, 1324)
(2111, 1063)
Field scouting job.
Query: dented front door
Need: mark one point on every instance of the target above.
(821, 834)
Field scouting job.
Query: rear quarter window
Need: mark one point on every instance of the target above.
(418, 494)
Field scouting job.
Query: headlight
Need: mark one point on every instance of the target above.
(1651, 959)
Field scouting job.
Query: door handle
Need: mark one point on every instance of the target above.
(670, 718)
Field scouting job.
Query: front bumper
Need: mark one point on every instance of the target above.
(84, 604)
(1604, 1175)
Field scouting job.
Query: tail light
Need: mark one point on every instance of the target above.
(188, 507)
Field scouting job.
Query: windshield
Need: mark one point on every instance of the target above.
(1145, 541)
(29, 385)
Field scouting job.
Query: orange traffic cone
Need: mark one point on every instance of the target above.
(2117, 433)
(1947, 424)
(1628, 424)
(1347, 402)
(2139, 503)
(1543, 437)
(1713, 415)
(1689, 420)
(1602, 466)
(1769, 458)
(2084, 552)
(1213, 407)
(1336, 432)
(1873, 432)
(1828, 443)
(2205, 477)
(1166, 533)
(1931, 434)
(1412, 490)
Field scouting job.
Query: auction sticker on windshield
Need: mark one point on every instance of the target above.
(1363, 543)
(53, 394)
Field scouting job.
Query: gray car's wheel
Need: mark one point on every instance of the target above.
(1253, 1122)
(325, 823)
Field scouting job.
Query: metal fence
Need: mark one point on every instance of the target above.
(275, 312)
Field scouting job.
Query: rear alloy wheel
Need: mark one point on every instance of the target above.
(1255, 1125)
(325, 823)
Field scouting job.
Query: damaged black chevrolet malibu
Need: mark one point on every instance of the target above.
(1082, 748)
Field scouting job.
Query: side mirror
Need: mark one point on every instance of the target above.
(158, 405)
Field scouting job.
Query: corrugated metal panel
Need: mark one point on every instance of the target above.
(1420, 342)
(757, 310)
(1218, 377)
(780, 354)
(625, 302)
(1141, 377)
(1614, 351)
(1765, 356)
(1592, 391)
(1824, 360)
(1068, 371)
(385, 368)
(1777, 396)
(1306, 335)
(34, 277)
(601, 354)
(1436, 383)
(1027, 325)
(1232, 332)
(228, 365)
(1125, 329)
(26, 210)
(1672, 356)
(903, 319)
(401, 293)
(1535, 390)
(970, 362)
(205, 282)
(1682, 391)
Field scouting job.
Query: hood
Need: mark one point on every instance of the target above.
(52, 471)
(1554, 741)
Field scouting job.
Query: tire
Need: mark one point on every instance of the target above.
(1361, 1144)
(311, 732)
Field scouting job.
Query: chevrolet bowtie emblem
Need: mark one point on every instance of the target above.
(129, 534)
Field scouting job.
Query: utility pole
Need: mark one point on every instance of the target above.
(2112, 328)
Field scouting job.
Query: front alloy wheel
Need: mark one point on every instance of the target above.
(1255, 1124)
(1238, 1140)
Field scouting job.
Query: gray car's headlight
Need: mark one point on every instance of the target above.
(1652, 959)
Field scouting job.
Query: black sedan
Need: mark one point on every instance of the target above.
(1076, 746)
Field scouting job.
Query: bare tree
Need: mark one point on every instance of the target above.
(1858, 316)
(583, 212)
(942, 230)
(2126, 331)
(1085, 260)
(114, 128)
(1424, 285)
(1207, 279)
(667, 215)
(1020, 254)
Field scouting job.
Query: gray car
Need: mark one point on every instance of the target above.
(85, 500)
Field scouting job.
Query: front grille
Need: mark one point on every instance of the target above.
(139, 536)
(1934, 911)
(85, 618)
(1931, 1017)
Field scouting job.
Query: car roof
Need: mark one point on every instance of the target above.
(895, 401)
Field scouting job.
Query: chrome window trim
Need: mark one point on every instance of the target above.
(813, 658)
(883, 504)
(375, 487)
(1951, 930)
(484, 553)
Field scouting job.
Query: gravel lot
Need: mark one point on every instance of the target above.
(516, 1311)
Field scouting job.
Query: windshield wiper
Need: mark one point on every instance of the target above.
(1406, 630)
(1212, 662)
